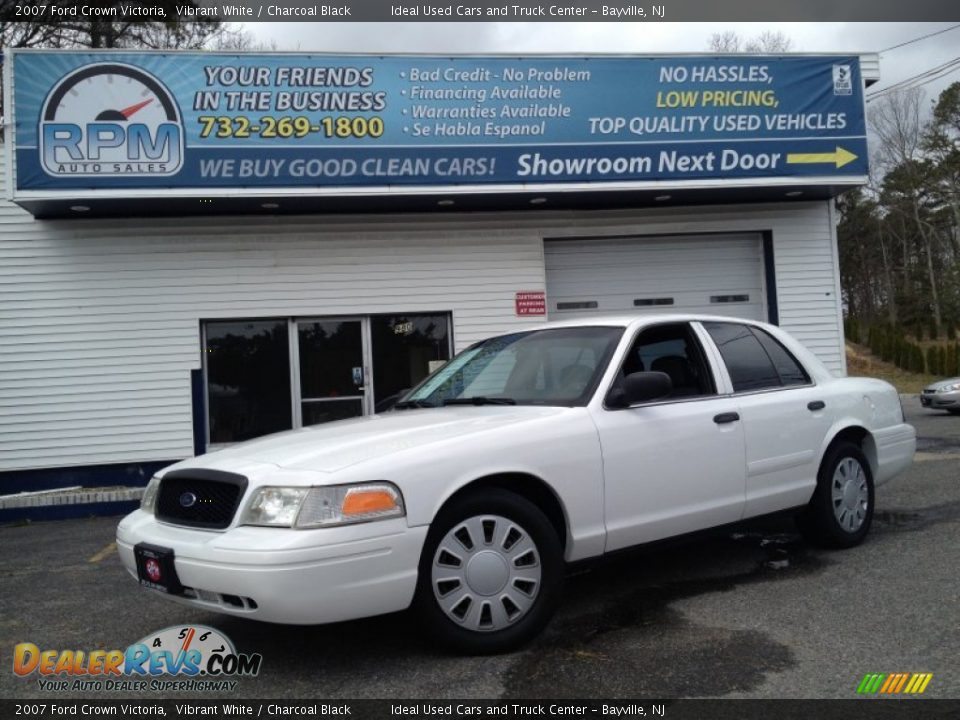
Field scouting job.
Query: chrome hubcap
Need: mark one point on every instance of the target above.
(486, 573)
(850, 494)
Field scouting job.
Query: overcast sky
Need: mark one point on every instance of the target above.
(658, 37)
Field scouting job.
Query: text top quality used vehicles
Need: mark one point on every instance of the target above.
(525, 452)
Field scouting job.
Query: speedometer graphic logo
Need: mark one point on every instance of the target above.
(111, 120)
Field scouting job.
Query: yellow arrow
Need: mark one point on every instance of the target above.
(840, 157)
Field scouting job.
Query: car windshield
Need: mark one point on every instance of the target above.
(560, 366)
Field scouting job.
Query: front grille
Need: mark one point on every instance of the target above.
(927, 391)
(200, 498)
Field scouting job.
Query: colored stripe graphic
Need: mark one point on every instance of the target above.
(889, 682)
(901, 683)
(894, 683)
(871, 683)
(920, 682)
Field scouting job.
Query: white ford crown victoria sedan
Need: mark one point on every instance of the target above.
(523, 453)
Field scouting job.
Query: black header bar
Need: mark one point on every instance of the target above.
(489, 10)
(482, 709)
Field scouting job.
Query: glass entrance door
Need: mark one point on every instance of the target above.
(331, 370)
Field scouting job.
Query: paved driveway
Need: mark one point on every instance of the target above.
(749, 614)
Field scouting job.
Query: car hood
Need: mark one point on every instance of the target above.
(942, 383)
(336, 445)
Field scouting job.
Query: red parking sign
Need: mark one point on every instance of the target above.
(532, 303)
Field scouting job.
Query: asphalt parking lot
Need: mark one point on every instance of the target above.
(749, 614)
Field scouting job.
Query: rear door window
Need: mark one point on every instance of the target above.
(790, 371)
(749, 365)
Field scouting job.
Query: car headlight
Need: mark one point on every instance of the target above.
(274, 506)
(323, 506)
(149, 499)
(949, 388)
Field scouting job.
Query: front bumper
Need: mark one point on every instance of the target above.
(941, 401)
(299, 577)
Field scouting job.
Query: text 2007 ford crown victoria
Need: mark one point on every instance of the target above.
(524, 452)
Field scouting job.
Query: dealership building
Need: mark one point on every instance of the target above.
(198, 248)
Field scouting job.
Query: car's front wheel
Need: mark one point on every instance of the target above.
(841, 509)
(490, 572)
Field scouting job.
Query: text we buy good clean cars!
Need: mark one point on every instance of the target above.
(525, 452)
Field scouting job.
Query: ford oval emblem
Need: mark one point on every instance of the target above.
(188, 499)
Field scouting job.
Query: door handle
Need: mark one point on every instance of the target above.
(816, 405)
(727, 417)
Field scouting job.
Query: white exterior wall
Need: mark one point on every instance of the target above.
(99, 319)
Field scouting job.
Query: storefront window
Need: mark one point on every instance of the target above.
(248, 379)
(406, 348)
(253, 391)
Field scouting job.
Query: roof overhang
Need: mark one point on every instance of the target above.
(580, 196)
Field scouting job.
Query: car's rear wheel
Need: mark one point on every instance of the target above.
(490, 572)
(841, 509)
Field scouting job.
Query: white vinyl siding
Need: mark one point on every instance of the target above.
(687, 270)
(100, 319)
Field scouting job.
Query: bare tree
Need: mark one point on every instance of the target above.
(898, 122)
(235, 39)
(725, 42)
(75, 32)
(768, 41)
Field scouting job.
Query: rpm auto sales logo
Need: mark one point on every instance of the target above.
(110, 120)
(199, 658)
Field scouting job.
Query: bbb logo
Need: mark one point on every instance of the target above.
(110, 120)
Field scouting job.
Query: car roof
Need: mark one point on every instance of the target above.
(640, 319)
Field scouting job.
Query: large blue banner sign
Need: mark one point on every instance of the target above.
(137, 121)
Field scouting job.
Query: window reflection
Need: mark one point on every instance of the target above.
(406, 348)
(248, 379)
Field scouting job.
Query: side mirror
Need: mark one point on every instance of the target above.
(640, 387)
(388, 402)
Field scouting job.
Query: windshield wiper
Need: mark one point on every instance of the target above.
(407, 404)
(480, 400)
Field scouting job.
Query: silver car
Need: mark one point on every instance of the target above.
(942, 395)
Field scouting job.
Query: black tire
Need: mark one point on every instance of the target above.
(819, 523)
(472, 507)
(953, 411)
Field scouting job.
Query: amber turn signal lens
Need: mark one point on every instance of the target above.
(362, 502)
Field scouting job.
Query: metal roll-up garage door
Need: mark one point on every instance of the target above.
(718, 274)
